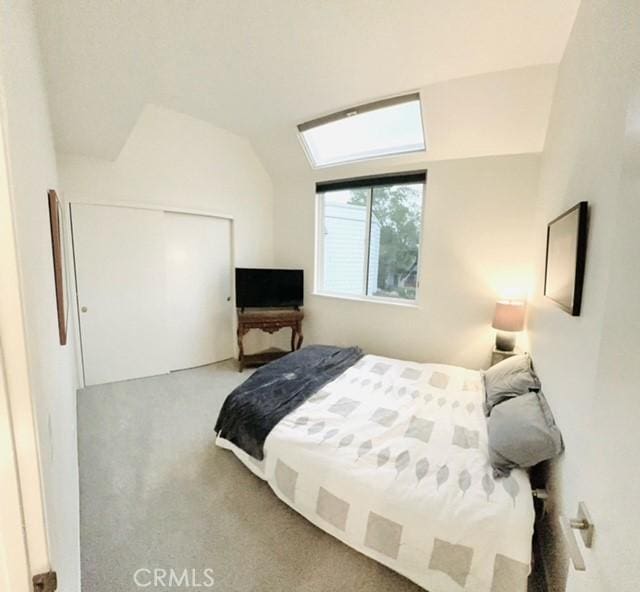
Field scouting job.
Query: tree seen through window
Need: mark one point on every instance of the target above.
(397, 209)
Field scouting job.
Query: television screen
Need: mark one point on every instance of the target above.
(269, 288)
(566, 251)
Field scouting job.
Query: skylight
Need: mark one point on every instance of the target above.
(384, 128)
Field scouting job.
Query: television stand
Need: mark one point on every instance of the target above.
(269, 321)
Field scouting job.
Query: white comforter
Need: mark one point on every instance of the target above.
(391, 458)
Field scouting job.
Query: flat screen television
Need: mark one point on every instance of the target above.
(269, 288)
(566, 255)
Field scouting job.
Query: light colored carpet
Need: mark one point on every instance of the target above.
(156, 493)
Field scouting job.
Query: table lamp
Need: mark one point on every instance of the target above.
(508, 320)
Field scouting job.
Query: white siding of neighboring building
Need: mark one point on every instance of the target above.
(344, 241)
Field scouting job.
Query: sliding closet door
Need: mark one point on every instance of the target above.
(120, 270)
(198, 289)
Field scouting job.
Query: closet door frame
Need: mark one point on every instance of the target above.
(141, 206)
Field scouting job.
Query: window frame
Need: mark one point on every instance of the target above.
(359, 110)
(368, 182)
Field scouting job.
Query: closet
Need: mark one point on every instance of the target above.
(153, 290)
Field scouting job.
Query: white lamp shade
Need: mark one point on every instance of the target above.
(509, 316)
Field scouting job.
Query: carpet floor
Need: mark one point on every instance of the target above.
(156, 494)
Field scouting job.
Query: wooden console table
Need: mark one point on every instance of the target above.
(269, 321)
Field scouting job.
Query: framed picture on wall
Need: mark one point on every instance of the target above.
(57, 246)
(566, 257)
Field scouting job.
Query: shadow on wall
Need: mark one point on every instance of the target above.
(550, 556)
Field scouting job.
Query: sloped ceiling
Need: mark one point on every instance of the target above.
(259, 67)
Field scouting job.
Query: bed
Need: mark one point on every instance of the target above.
(391, 458)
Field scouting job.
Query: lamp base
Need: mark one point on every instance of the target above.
(505, 341)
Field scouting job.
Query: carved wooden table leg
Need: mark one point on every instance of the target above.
(240, 335)
(300, 336)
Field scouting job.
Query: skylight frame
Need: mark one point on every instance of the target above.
(413, 97)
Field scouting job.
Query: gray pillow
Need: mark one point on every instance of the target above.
(522, 433)
(509, 378)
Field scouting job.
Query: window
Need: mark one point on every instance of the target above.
(369, 236)
(384, 128)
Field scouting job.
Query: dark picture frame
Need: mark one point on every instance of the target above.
(57, 248)
(565, 259)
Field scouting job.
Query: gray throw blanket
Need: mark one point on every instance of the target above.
(253, 409)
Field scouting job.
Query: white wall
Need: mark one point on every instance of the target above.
(589, 365)
(475, 250)
(496, 113)
(52, 370)
(171, 159)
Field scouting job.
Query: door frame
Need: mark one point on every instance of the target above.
(14, 557)
(142, 206)
(24, 544)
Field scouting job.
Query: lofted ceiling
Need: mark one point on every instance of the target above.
(259, 67)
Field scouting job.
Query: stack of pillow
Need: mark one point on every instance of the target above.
(522, 431)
